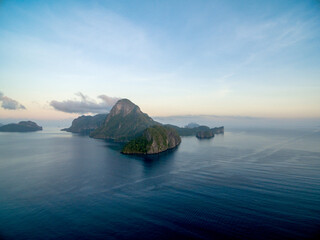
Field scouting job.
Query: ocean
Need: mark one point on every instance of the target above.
(243, 184)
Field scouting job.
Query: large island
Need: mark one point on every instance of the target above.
(126, 123)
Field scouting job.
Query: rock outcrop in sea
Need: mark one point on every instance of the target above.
(218, 130)
(205, 134)
(155, 139)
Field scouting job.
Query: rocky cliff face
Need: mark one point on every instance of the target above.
(155, 139)
(23, 126)
(124, 122)
(123, 107)
(218, 130)
(209, 133)
(86, 124)
(205, 134)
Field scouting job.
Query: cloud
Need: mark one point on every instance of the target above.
(223, 92)
(85, 104)
(9, 103)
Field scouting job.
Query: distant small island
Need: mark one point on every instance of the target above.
(198, 131)
(23, 126)
(126, 123)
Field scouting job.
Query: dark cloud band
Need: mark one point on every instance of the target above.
(85, 105)
(9, 103)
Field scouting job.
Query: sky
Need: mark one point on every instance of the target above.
(256, 59)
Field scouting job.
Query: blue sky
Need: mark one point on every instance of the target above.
(226, 58)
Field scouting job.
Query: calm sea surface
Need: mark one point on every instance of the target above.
(245, 184)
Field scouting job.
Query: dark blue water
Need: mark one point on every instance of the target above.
(245, 184)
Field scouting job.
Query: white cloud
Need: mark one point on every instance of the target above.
(223, 92)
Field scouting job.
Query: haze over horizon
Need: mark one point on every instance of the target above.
(257, 59)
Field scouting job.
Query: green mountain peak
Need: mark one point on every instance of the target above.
(124, 122)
